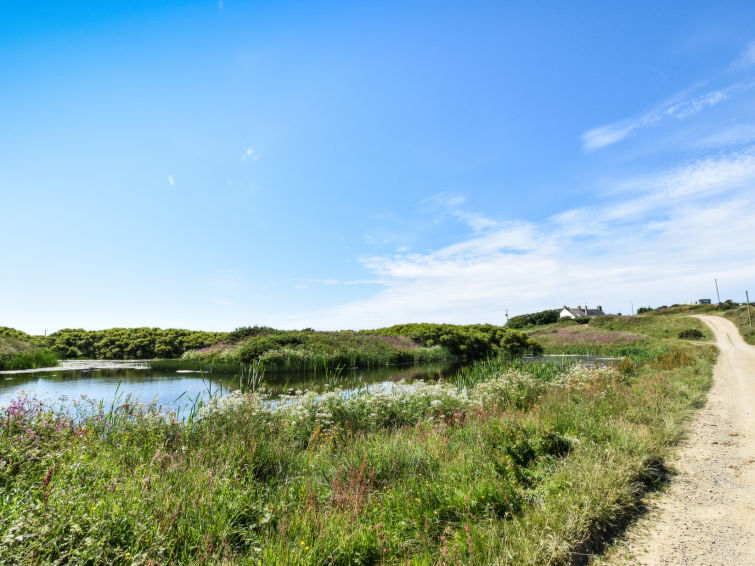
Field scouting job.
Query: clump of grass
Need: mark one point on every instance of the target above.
(28, 359)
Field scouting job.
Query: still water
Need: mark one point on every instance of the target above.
(179, 390)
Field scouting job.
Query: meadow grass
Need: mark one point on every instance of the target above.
(512, 464)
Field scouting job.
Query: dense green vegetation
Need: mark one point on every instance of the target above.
(313, 350)
(295, 350)
(129, 343)
(534, 319)
(19, 350)
(518, 466)
(467, 342)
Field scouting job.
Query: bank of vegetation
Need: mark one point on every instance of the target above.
(507, 465)
(310, 350)
(19, 350)
(129, 343)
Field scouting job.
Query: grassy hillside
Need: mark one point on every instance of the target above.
(521, 466)
(617, 335)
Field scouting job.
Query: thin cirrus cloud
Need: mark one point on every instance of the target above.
(680, 107)
(454, 205)
(746, 58)
(690, 223)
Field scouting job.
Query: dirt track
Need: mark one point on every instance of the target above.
(708, 514)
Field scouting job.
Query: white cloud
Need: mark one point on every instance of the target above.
(446, 204)
(679, 107)
(332, 282)
(663, 244)
(746, 58)
(170, 180)
(250, 153)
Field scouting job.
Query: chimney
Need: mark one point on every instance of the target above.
(600, 308)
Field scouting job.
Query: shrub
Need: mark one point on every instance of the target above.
(534, 319)
(691, 333)
(727, 305)
(515, 344)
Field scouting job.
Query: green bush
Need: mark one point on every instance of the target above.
(691, 333)
(535, 319)
(129, 343)
(516, 344)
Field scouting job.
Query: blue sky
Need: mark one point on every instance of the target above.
(350, 165)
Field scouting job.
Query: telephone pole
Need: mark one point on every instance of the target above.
(717, 294)
(747, 296)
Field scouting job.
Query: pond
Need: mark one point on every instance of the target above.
(179, 390)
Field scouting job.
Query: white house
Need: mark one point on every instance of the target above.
(581, 312)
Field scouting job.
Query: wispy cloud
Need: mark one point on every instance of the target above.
(746, 58)
(453, 205)
(170, 180)
(665, 243)
(678, 108)
(250, 153)
(331, 282)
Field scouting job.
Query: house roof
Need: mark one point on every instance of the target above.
(579, 311)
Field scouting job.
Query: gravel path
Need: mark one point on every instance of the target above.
(708, 514)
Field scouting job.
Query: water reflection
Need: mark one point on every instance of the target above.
(178, 391)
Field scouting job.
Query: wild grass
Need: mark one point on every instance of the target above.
(28, 359)
(19, 350)
(739, 317)
(513, 464)
(293, 351)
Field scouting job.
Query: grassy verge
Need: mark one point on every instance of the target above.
(739, 317)
(516, 467)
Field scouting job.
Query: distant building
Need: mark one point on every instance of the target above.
(701, 302)
(581, 312)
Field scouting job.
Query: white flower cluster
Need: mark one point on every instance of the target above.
(398, 403)
(579, 375)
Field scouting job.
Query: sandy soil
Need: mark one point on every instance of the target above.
(707, 516)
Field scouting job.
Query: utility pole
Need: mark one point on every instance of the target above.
(717, 294)
(747, 295)
(507, 317)
(631, 311)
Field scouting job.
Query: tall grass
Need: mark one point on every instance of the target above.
(28, 359)
(522, 464)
